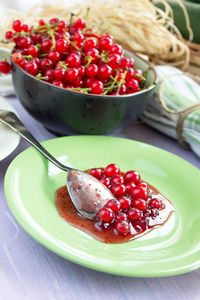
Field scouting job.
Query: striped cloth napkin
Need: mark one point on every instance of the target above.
(179, 91)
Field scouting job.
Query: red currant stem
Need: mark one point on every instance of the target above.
(108, 89)
(51, 34)
(74, 45)
(28, 56)
(89, 59)
(70, 22)
(121, 81)
(87, 14)
(104, 56)
(107, 29)
(45, 27)
(43, 55)
(38, 46)
(63, 65)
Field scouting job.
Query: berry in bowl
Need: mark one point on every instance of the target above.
(72, 79)
(137, 207)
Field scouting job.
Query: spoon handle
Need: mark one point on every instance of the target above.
(10, 119)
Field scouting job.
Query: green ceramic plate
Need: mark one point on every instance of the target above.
(31, 182)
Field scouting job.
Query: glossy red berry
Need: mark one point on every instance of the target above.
(71, 75)
(9, 35)
(140, 193)
(118, 190)
(129, 74)
(140, 204)
(112, 170)
(58, 83)
(155, 203)
(125, 202)
(114, 61)
(132, 176)
(134, 214)
(24, 42)
(41, 22)
(89, 81)
(91, 70)
(122, 90)
(116, 49)
(120, 216)
(94, 53)
(45, 64)
(73, 60)
(5, 67)
(54, 21)
(80, 24)
(81, 71)
(61, 45)
(59, 74)
(114, 205)
(26, 28)
(130, 187)
(50, 74)
(31, 68)
(143, 184)
(104, 72)
(105, 181)
(106, 215)
(137, 75)
(17, 57)
(17, 25)
(90, 43)
(123, 227)
(132, 86)
(117, 179)
(124, 63)
(131, 63)
(54, 56)
(96, 172)
(33, 50)
(97, 87)
(46, 45)
(105, 43)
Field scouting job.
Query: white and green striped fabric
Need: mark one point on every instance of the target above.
(178, 93)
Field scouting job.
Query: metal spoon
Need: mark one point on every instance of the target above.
(88, 194)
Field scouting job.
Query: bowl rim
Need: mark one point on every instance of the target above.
(100, 96)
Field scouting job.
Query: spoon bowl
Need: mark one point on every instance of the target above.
(87, 193)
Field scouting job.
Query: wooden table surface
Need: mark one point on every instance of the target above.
(30, 271)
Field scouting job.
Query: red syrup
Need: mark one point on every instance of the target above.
(149, 217)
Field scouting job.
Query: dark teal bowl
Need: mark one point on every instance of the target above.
(67, 112)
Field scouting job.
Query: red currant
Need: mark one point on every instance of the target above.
(97, 87)
(45, 64)
(17, 25)
(114, 205)
(125, 202)
(94, 53)
(50, 74)
(140, 193)
(73, 60)
(31, 68)
(26, 28)
(156, 203)
(140, 204)
(105, 181)
(118, 190)
(91, 70)
(112, 170)
(89, 81)
(130, 187)
(134, 214)
(5, 67)
(105, 43)
(81, 71)
(120, 216)
(116, 49)
(17, 57)
(123, 227)
(114, 61)
(132, 176)
(58, 83)
(137, 75)
(132, 86)
(117, 179)
(59, 74)
(90, 43)
(104, 72)
(9, 35)
(96, 172)
(24, 42)
(71, 75)
(80, 24)
(54, 56)
(61, 45)
(106, 215)
(46, 45)
(33, 50)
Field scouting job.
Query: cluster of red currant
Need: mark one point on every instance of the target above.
(134, 205)
(70, 55)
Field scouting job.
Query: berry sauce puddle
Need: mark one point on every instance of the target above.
(129, 221)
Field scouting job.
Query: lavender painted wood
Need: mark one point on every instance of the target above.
(30, 271)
